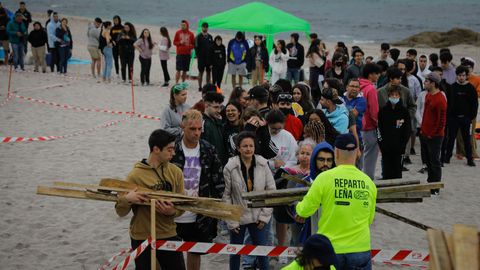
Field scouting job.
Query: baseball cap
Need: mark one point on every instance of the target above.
(319, 246)
(434, 77)
(345, 142)
(257, 92)
(331, 94)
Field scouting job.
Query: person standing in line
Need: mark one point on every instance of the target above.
(247, 172)
(106, 43)
(237, 53)
(184, 41)
(64, 45)
(423, 70)
(433, 58)
(474, 79)
(156, 173)
(203, 45)
(203, 176)
(218, 54)
(17, 33)
(27, 20)
(355, 70)
(258, 61)
(38, 38)
(296, 53)
(346, 218)
(51, 30)
(4, 19)
(172, 115)
(126, 50)
(447, 66)
(213, 124)
(93, 35)
(316, 61)
(278, 62)
(355, 102)
(385, 54)
(335, 111)
(145, 45)
(432, 130)
(393, 133)
(49, 14)
(370, 118)
(462, 103)
(164, 47)
(115, 33)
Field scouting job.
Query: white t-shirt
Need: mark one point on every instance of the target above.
(191, 174)
(287, 149)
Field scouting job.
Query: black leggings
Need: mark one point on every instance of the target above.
(217, 75)
(116, 55)
(168, 260)
(54, 60)
(145, 65)
(166, 76)
(126, 60)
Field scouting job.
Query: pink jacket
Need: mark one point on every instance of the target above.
(370, 117)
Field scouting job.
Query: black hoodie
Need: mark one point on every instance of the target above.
(394, 128)
(218, 55)
(38, 38)
(116, 30)
(297, 51)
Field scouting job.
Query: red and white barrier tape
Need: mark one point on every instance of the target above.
(77, 108)
(392, 257)
(50, 138)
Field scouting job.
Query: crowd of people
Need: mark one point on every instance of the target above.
(328, 129)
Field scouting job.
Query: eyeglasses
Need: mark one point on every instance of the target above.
(179, 87)
(321, 159)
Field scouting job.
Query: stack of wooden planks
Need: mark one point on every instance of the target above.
(111, 189)
(388, 191)
(457, 251)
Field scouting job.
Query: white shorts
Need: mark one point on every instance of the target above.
(240, 69)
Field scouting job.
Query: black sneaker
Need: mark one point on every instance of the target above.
(446, 161)
(471, 163)
(165, 84)
(199, 89)
(407, 161)
(412, 151)
(404, 169)
(423, 170)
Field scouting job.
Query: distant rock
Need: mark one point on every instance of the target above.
(442, 39)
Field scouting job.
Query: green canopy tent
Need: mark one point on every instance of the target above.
(258, 18)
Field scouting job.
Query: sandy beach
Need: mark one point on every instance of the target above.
(40, 232)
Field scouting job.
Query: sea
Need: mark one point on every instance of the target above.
(353, 21)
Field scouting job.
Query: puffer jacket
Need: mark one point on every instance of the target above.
(235, 186)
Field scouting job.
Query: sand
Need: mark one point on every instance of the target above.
(40, 232)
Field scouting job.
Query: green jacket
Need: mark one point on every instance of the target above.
(213, 133)
(12, 28)
(295, 266)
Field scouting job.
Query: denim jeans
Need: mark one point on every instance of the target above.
(63, 53)
(107, 67)
(18, 55)
(258, 238)
(355, 261)
(250, 260)
(293, 74)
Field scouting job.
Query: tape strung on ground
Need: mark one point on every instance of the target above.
(50, 138)
(392, 257)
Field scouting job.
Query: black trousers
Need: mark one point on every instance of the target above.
(166, 76)
(145, 65)
(392, 165)
(168, 260)
(454, 124)
(432, 147)
(116, 55)
(314, 86)
(126, 61)
(217, 75)
(55, 59)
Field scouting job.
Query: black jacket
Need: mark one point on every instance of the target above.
(394, 128)
(60, 34)
(297, 51)
(38, 38)
(125, 46)
(203, 45)
(218, 55)
(116, 32)
(462, 100)
(263, 55)
(28, 17)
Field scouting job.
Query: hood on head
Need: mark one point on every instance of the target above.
(188, 24)
(119, 20)
(313, 163)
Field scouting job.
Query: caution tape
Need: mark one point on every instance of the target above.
(391, 257)
(77, 108)
(50, 138)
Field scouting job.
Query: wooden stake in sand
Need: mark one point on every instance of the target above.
(153, 252)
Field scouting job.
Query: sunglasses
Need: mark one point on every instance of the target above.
(179, 87)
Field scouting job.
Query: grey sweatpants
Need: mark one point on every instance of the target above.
(370, 152)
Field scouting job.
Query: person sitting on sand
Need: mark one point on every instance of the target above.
(156, 173)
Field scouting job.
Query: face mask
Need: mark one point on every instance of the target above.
(286, 111)
(338, 64)
(393, 100)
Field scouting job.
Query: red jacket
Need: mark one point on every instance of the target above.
(370, 117)
(294, 126)
(434, 115)
(184, 40)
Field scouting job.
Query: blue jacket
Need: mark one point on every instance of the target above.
(338, 118)
(313, 158)
(12, 28)
(51, 29)
(360, 104)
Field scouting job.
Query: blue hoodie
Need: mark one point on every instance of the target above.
(338, 118)
(313, 158)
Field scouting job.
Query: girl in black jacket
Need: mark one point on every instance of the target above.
(126, 50)
(219, 59)
(393, 133)
(38, 38)
(258, 61)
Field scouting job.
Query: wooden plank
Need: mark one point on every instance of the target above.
(439, 258)
(400, 200)
(411, 194)
(295, 179)
(395, 182)
(402, 218)
(450, 246)
(153, 234)
(465, 247)
(275, 193)
(407, 188)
